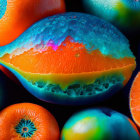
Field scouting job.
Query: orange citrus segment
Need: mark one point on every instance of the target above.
(69, 57)
(135, 99)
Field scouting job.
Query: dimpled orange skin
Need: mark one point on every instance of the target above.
(21, 14)
(135, 100)
(45, 123)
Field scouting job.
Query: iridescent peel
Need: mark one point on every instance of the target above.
(3, 7)
(67, 62)
(89, 30)
(132, 4)
(99, 124)
(124, 13)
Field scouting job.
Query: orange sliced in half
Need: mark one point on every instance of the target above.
(135, 100)
(72, 61)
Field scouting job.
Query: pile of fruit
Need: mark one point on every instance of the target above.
(78, 60)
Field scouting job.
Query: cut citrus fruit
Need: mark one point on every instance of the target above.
(72, 61)
(135, 100)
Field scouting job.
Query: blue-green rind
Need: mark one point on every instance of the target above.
(125, 14)
(94, 33)
(102, 8)
(60, 97)
(3, 7)
(116, 124)
(133, 5)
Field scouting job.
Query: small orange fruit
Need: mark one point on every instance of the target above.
(27, 121)
(17, 15)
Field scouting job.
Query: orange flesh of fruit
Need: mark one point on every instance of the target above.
(70, 57)
(135, 100)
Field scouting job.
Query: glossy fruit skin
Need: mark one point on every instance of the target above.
(27, 121)
(69, 77)
(99, 124)
(135, 100)
(17, 16)
(123, 13)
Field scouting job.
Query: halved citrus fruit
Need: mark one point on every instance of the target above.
(135, 100)
(72, 61)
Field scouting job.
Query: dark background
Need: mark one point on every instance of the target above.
(120, 102)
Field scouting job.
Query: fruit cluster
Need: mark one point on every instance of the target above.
(70, 58)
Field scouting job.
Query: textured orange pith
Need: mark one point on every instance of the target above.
(47, 127)
(135, 99)
(21, 14)
(70, 57)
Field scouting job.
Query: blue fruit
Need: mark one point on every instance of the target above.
(99, 124)
(123, 13)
